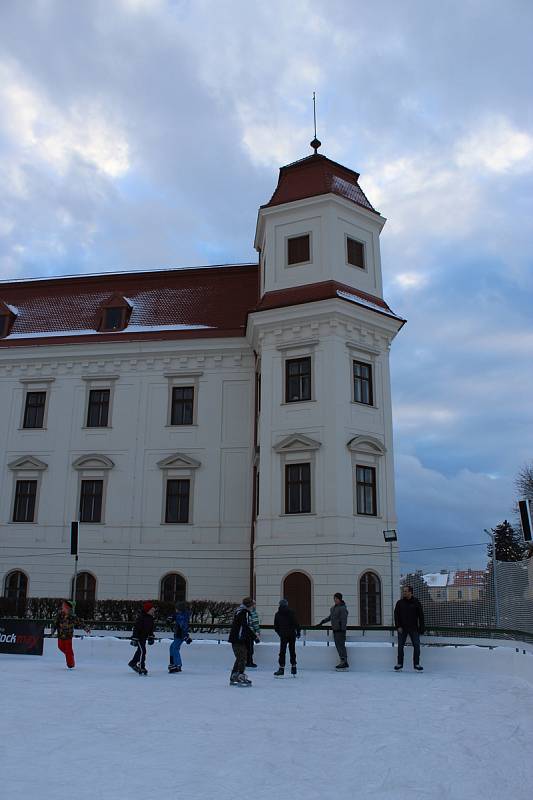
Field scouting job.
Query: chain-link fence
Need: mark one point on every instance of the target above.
(499, 597)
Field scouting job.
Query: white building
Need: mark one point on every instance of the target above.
(218, 430)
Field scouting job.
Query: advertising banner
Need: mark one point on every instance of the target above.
(21, 637)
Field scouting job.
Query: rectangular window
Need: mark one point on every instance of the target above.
(113, 319)
(355, 253)
(177, 500)
(91, 501)
(366, 490)
(98, 409)
(362, 383)
(298, 379)
(298, 249)
(298, 488)
(34, 410)
(182, 405)
(25, 494)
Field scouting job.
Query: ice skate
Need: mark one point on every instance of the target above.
(342, 665)
(279, 673)
(133, 666)
(242, 680)
(294, 671)
(419, 668)
(398, 667)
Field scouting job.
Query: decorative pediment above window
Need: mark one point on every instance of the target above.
(367, 444)
(93, 461)
(28, 463)
(114, 314)
(178, 461)
(8, 315)
(296, 442)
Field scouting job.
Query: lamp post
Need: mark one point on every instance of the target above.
(490, 534)
(391, 537)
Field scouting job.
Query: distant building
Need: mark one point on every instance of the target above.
(456, 585)
(218, 431)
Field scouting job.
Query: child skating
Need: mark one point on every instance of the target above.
(180, 620)
(65, 623)
(143, 632)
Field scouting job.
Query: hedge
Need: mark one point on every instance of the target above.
(120, 614)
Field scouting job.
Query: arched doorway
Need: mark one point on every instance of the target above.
(173, 588)
(85, 587)
(15, 592)
(369, 599)
(297, 590)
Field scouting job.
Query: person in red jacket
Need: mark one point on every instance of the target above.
(64, 624)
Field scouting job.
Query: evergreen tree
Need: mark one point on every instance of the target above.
(509, 543)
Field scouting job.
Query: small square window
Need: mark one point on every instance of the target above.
(91, 501)
(113, 319)
(182, 411)
(25, 495)
(298, 488)
(362, 383)
(4, 325)
(355, 252)
(298, 249)
(298, 379)
(366, 490)
(34, 410)
(98, 409)
(177, 500)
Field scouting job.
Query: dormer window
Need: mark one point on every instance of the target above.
(8, 315)
(115, 314)
(355, 253)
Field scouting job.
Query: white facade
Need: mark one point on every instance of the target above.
(219, 548)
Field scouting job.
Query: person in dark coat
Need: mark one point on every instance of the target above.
(409, 621)
(143, 632)
(288, 629)
(180, 620)
(240, 634)
(338, 616)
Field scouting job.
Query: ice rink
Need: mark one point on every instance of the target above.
(462, 730)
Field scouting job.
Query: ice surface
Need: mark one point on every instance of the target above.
(104, 733)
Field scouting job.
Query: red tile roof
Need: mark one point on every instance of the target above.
(469, 577)
(316, 175)
(198, 302)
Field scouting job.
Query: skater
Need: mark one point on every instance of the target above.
(409, 621)
(64, 624)
(241, 631)
(180, 620)
(255, 624)
(288, 629)
(143, 631)
(338, 616)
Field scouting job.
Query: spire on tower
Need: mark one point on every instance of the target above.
(316, 143)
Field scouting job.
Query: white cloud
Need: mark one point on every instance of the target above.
(411, 280)
(496, 147)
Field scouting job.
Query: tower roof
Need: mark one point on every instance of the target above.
(316, 175)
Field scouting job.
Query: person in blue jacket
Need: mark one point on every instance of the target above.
(180, 620)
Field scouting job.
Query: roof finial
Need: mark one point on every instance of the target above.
(315, 144)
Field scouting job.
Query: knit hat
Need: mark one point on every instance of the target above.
(338, 594)
(283, 603)
(147, 606)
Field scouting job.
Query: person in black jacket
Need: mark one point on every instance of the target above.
(143, 631)
(240, 634)
(288, 629)
(409, 621)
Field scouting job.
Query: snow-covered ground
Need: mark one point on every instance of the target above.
(461, 730)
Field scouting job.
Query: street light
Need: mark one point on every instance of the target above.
(490, 534)
(391, 537)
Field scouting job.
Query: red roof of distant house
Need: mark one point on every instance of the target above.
(316, 175)
(166, 304)
(469, 577)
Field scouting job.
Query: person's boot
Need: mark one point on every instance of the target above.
(133, 666)
(233, 679)
(279, 672)
(294, 670)
(398, 667)
(342, 665)
(243, 680)
(419, 668)
(173, 668)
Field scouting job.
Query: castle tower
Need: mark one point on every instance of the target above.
(324, 450)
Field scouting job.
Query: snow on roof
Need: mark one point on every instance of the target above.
(362, 301)
(436, 579)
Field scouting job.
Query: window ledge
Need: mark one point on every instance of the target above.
(97, 428)
(33, 430)
(188, 425)
(297, 402)
(358, 403)
(299, 514)
(15, 522)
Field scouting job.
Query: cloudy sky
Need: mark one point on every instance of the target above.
(145, 133)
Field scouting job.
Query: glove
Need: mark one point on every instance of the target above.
(134, 642)
(322, 622)
(188, 640)
(151, 640)
(257, 640)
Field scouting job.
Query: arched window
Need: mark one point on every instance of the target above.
(15, 592)
(173, 588)
(85, 587)
(297, 590)
(370, 599)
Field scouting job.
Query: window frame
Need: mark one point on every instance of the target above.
(347, 239)
(177, 480)
(175, 598)
(99, 383)
(36, 408)
(91, 479)
(184, 380)
(291, 359)
(93, 467)
(292, 237)
(123, 318)
(291, 465)
(33, 386)
(379, 594)
(174, 404)
(369, 366)
(35, 483)
(107, 406)
(178, 466)
(26, 468)
(374, 490)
